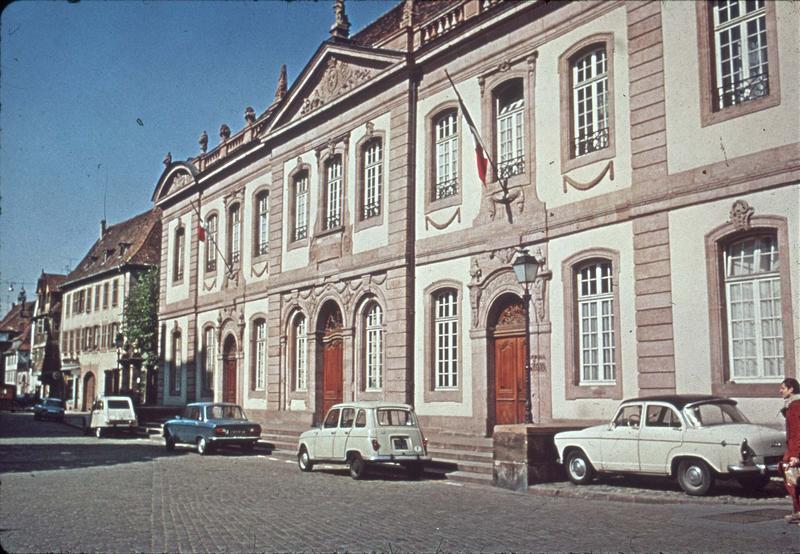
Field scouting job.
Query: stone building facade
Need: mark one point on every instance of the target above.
(46, 376)
(342, 246)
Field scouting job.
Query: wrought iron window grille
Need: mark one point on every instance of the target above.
(333, 221)
(743, 90)
(586, 144)
(300, 232)
(511, 167)
(445, 189)
(372, 209)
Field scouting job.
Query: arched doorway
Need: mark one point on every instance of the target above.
(88, 391)
(332, 357)
(507, 351)
(229, 370)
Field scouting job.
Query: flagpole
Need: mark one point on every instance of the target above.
(476, 134)
(228, 267)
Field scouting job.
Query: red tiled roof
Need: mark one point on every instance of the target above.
(17, 317)
(136, 241)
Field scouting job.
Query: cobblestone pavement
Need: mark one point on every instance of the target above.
(62, 491)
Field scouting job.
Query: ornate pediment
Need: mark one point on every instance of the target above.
(176, 177)
(336, 71)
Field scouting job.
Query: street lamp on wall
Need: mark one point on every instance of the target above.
(525, 268)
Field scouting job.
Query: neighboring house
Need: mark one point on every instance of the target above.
(93, 297)
(650, 155)
(46, 377)
(15, 346)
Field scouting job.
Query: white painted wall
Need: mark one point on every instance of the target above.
(688, 144)
(176, 293)
(616, 237)
(298, 258)
(378, 236)
(688, 228)
(426, 275)
(549, 182)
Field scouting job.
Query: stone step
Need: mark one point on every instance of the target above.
(464, 465)
(461, 442)
(470, 477)
(458, 454)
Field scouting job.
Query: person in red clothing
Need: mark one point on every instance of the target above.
(790, 390)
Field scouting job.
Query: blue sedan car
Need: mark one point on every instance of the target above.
(208, 425)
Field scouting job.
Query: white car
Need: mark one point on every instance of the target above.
(694, 438)
(362, 433)
(112, 413)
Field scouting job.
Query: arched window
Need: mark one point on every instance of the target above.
(510, 128)
(234, 234)
(373, 346)
(176, 365)
(300, 204)
(180, 248)
(299, 360)
(445, 337)
(590, 127)
(209, 359)
(259, 360)
(445, 128)
(333, 193)
(212, 232)
(595, 317)
(372, 195)
(261, 222)
(753, 308)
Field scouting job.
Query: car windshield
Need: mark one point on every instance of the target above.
(714, 413)
(117, 405)
(394, 417)
(54, 402)
(218, 411)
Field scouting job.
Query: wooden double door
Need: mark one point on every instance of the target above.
(508, 349)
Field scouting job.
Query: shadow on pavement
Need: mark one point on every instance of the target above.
(656, 485)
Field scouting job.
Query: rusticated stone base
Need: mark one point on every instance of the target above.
(525, 455)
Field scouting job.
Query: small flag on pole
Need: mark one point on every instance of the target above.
(481, 158)
(201, 232)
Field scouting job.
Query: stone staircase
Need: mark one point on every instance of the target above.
(461, 458)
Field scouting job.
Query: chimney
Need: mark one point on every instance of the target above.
(102, 228)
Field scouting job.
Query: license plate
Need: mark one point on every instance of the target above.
(400, 444)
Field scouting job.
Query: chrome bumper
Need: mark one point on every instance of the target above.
(401, 458)
(753, 469)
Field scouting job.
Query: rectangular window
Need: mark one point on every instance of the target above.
(105, 295)
(333, 196)
(301, 206)
(446, 144)
(596, 324)
(374, 347)
(176, 369)
(755, 326)
(300, 368)
(373, 179)
(510, 111)
(590, 102)
(97, 289)
(260, 355)
(235, 234)
(446, 340)
(115, 293)
(211, 243)
(88, 299)
(180, 246)
(740, 47)
(209, 358)
(262, 247)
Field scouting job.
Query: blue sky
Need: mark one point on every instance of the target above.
(94, 94)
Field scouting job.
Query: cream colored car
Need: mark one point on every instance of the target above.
(693, 438)
(111, 413)
(362, 433)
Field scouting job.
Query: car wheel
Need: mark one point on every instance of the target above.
(414, 470)
(98, 432)
(753, 483)
(203, 447)
(579, 469)
(304, 460)
(169, 441)
(694, 477)
(358, 467)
